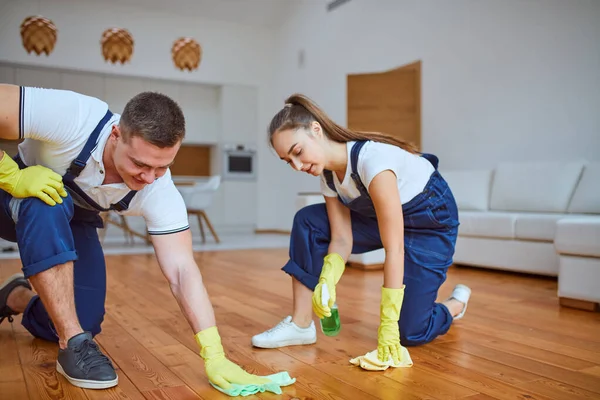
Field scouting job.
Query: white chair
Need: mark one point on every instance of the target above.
(118, 220)
(198, 197)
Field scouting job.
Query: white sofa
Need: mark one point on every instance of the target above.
(534, 217)
(541, 218)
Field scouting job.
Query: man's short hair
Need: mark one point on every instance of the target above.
(154, 117)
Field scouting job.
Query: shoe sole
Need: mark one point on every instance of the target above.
(87, 384)
(285, 343)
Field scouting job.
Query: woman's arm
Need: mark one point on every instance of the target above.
(341, 227)
(386, 199)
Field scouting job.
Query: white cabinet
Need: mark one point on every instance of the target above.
(38, 77)
(200, 105)
(7, 74)
(84, 83)
(119, 91)
(239, 114)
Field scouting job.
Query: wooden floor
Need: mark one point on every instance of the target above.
(515, 342)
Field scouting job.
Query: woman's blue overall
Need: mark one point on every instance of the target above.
(430, 231)
(48, 236)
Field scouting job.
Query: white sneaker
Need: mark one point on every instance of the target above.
(286, 333)
(461, 293)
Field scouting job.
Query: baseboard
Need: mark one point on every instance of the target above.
(272, 231)
(579, 304)
(364, 267)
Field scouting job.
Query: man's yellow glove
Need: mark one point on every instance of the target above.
(222, 372)
(388, 336)
(333, 268)
(35, 181)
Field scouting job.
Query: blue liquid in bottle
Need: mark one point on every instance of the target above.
(330, 326)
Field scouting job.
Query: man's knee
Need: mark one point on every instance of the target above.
(32, 210)
(43, 233)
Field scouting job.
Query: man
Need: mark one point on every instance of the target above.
(104, 161)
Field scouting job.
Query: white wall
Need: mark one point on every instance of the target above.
(232, 53)
(501, 80)
(220, 99)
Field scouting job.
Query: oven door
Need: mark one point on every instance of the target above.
(239, 164)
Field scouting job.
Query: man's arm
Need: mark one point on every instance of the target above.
(176, 260)
(9, 112)
(34, 181)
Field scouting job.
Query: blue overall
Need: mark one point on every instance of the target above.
(430, 231)
(52, 235)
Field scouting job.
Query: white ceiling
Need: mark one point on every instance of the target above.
(262, 13)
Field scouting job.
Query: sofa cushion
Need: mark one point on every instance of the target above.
(471, 188)
(586, 198)
(578, 235)
(487, 224)
(537, 226)
(538, 187)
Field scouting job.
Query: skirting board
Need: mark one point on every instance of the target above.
(272, 231)
(364, 267)
(579, 304)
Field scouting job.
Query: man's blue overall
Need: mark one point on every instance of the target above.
(48, 236)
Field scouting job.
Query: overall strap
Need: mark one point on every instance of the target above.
(354, 162)
(329, 179)
(432, 159)
(79, 163)
(354, 155)
(123, 204)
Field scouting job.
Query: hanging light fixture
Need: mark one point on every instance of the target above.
(38, 34)
(186, 53)
(117, 45)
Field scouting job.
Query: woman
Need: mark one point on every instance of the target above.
(379, 193)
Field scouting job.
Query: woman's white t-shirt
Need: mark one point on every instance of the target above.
(412, 171)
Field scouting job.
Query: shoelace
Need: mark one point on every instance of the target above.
(277, 327)
(9, 313)
(90, 356)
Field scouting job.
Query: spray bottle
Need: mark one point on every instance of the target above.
(330, 326)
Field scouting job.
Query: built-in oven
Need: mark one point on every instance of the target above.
(239, 162)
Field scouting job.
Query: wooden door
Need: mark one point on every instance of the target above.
(388, 102)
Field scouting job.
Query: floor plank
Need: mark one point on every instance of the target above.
(515, 341)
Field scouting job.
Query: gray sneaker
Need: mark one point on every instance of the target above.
(83, 364)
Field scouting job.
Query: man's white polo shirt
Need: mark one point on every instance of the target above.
(56, 125)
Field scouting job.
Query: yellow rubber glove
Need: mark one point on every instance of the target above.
(388, 335)
(333, 268)
(35, 181)
(219, 369)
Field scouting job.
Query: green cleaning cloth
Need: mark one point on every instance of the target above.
(278, 380)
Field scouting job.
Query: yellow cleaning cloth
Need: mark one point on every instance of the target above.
(370, 362)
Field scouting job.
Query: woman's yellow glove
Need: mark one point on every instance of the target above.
(35, 181)
(333, 268)
(222, 372)
(388, 336)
